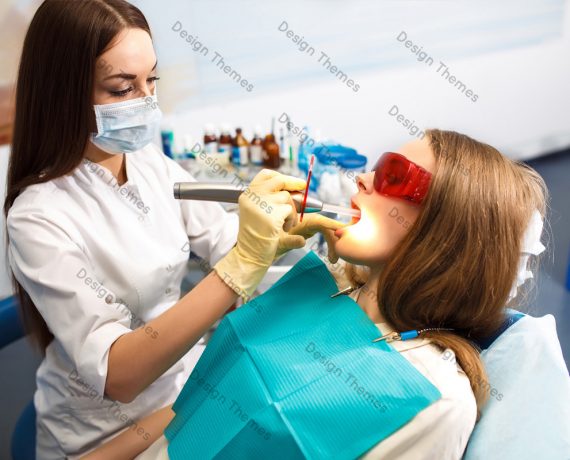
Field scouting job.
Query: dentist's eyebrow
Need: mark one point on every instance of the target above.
(127, 76)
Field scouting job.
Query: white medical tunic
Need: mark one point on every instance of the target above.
(99, 260)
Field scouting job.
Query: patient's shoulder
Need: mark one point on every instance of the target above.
(442, 429)
(442, 370)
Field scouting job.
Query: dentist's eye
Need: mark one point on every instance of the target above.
(122, 93)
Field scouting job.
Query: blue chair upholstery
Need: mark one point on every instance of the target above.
(11, 328)
(23, 445)
(24, 435)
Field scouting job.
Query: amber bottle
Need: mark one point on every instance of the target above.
(271, 158)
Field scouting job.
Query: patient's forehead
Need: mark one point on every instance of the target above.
(419, 151)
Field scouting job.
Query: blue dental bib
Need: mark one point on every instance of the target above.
(294, 374)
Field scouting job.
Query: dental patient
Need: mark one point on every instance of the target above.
(431, 266)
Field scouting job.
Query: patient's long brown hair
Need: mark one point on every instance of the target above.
(54, 111)
(456, 265)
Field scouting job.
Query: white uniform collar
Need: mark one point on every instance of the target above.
(95, 172)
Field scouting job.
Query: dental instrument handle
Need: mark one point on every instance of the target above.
(229, 193)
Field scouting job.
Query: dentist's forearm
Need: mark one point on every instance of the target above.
(135, 439)
(138, 358)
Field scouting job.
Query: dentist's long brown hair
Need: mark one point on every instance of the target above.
(456, 265)
(54, 107)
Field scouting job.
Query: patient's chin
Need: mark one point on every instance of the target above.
(352, 260)
(350, 251)
(355, 251)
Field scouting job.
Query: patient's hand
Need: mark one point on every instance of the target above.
(312, 223)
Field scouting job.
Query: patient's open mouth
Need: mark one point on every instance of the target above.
(355, 219)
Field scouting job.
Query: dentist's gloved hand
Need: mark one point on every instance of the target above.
(312, 223)
(265, 211)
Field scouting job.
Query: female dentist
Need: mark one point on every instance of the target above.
(97, 243)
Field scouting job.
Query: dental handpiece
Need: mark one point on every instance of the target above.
(229, 193)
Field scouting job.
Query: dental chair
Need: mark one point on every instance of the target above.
(525, 367)
(528, 412)
(23, 443)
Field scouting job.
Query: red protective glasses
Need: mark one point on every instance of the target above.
(396, 176)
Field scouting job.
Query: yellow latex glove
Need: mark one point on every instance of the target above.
(312, 223)
(265, 211)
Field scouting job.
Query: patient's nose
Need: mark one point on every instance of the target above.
(365, 182)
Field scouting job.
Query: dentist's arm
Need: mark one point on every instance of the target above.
(137, 359)
(134, 439)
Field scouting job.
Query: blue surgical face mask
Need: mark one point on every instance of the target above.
(128, 126)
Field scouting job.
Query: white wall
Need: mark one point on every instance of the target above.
(523, 104)
(523, 108)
